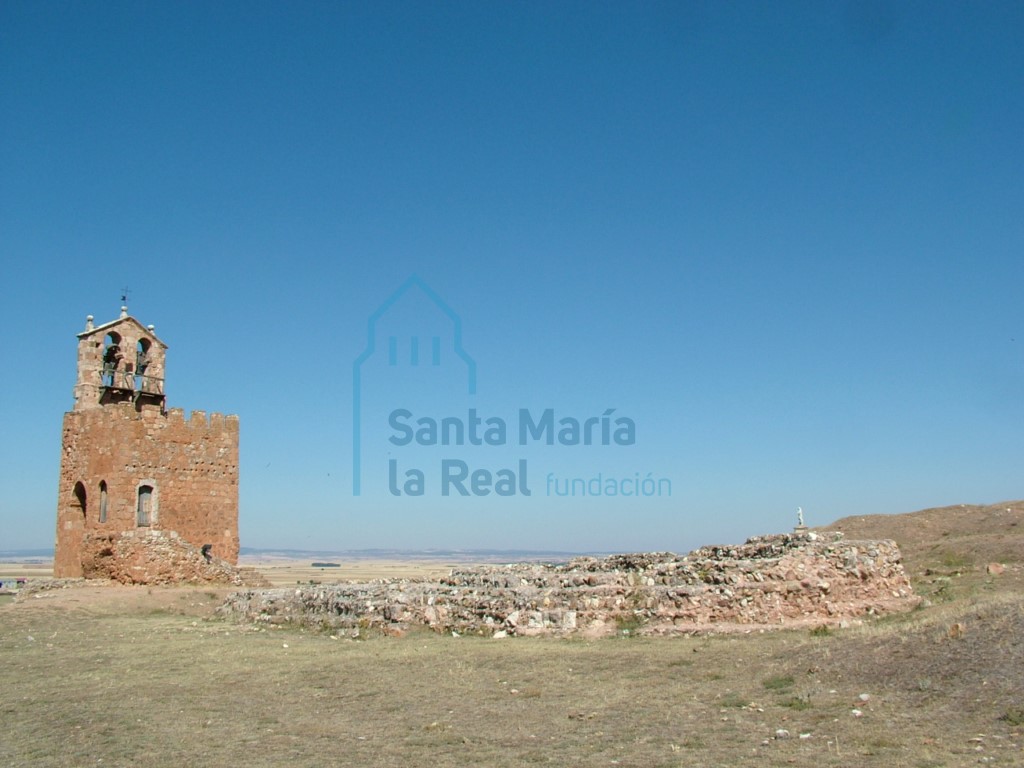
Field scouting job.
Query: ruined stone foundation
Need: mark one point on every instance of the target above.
(768, 582)
(157, 557)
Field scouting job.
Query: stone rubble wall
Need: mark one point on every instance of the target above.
(768, 582)
(157, 557)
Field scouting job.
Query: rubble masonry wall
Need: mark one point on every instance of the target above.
(770, 581)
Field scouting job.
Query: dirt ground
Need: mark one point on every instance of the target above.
(128, 676)
(101, 675)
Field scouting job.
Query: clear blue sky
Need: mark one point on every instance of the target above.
(786, 239)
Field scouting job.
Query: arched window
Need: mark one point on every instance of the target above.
(112, 355)
(79, 498)
(144, 514)
(141, 364)
(103, 501)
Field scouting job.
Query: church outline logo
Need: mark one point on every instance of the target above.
(415, 358)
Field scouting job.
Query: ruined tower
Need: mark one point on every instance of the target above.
(128, 463)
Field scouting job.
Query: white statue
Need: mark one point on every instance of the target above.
(800, 517)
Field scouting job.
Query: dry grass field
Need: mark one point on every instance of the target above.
(115, 676)
(284, 571)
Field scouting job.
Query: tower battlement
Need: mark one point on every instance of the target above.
(202, 420)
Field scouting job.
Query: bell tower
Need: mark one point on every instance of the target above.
(119, 361)
(131, 468)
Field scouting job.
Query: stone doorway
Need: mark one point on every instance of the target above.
(72, 530)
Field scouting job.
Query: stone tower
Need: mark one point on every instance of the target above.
(130, 464)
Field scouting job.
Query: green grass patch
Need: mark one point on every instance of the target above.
(778, 682)
(1013, 716)
(681, 663)
(628, 625)
(798, 703)
(955, 560)
(733, 700)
